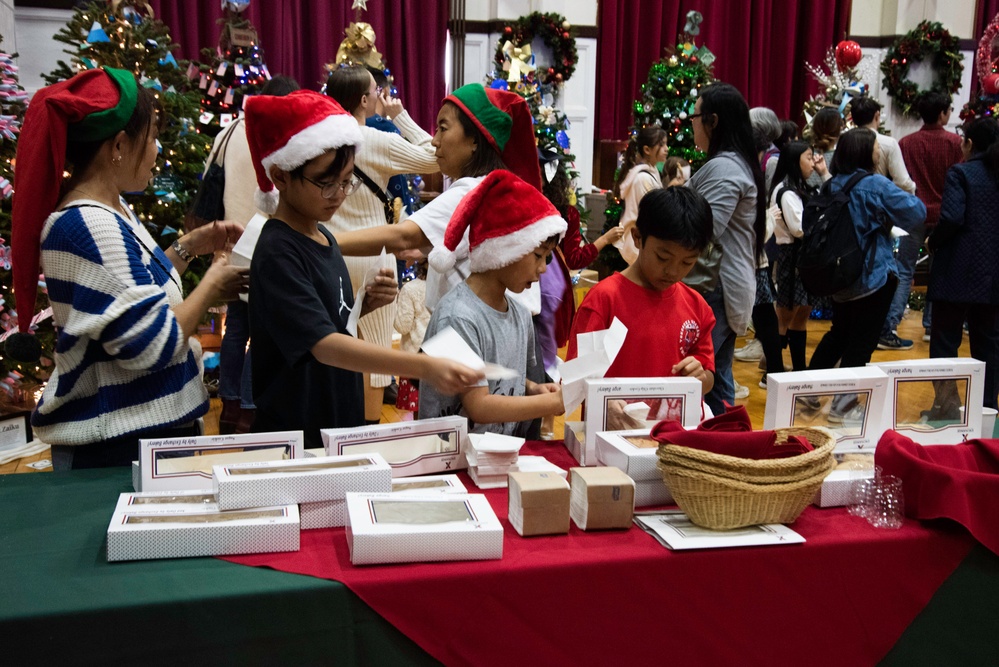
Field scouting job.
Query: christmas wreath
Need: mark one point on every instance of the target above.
(929, 40)
(513, 52)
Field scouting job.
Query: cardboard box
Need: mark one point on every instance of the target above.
(323, 514)
(538, 504)
(419, 447)
(634, 453)
(403, 528)
(575, 440)
(601, 498)
(928, 399)
(136, 477)
(428, 484)
(848, 401)
(676, 398)
(300, 481)
(177, 464)
(162, 529)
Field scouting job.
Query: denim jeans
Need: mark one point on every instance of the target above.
(235, 378)
(905, 261)
(723, 339)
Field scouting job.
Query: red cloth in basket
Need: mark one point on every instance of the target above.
(731, 434)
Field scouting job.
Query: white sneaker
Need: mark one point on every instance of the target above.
(751, 352)
(740, 391)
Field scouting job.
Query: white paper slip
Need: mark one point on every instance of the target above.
(385, 261)
(495, 442)
(539, 464)
(673, 530)
(448, 344)
(596, 351)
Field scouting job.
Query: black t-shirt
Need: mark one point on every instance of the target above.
(300, 292)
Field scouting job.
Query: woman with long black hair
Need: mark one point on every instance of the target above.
(732, 182)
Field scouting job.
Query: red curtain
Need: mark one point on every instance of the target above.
(299, 36)
(761, 48)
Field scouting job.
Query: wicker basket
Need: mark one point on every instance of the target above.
(788, 469)
(725, 492)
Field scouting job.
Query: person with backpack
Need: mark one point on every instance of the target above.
(790, 192)
(873, 204)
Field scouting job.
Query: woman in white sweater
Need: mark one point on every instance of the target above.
(384, 155)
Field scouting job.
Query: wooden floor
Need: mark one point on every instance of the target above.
(745, 373)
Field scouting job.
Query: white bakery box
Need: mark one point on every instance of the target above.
(634, 452)
(420, 447)
(311, 480)
(935, 401)
(413, 528)
(837, 487)
(182, 524)
(848, 401)
(646, 402)
(178, 464)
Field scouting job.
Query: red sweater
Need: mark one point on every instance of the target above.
(928, 154)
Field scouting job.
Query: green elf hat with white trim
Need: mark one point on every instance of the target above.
(92, 106)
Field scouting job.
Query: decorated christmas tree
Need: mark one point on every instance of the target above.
(839, 80)
(231, 72)
(539, 81)
(17, 381)
(667, 100)
(987, 71)
(125, 34)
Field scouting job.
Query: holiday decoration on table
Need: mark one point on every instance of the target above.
(138, 42)
(840, 80)
(667, 100)
(18, 381)
(229, 73)
(987, 70)
(928, 42)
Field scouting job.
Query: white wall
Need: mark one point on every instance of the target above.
(37, 51)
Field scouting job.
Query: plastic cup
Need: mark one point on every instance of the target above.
(886, 504)
(988, 422)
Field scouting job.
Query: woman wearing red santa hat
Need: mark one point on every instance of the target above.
(126, 365)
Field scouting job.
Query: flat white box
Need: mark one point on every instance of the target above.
(848, 401)
(619, 449)
(323, 514)
(177, 464)
(184, 529)
(652, 492)
(836, 487)
(428, 484)
(302, 481)
(676, 398)
(136, 477)
(402, 528)
(913, 393)
(411, 448)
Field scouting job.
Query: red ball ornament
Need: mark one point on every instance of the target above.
(848, 54)
(565, 35)
(693, 59)
(991, 84)
(551, 70)
(507, 30)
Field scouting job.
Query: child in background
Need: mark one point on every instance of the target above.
(640, 175)
(669, 324)
(306, 365)
(512, 230)
(411, 320)
(676, 171)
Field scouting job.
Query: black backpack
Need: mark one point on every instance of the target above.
(830, 257)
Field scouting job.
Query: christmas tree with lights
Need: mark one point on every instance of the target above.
(986, 103)
(124, 34)
(17, 381)
(233, 71)
(667, 100)
(839, 81)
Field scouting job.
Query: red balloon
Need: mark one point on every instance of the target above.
(991, 84)
(848, 55)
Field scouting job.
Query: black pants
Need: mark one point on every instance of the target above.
(114, 453)
(946, 334)
(856, 327)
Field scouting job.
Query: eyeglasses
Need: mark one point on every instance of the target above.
(695, 115)
(328, 190)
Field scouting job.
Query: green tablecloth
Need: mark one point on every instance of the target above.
(61, 603)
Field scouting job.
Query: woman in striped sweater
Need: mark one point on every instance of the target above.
(384, 155)
(126, 365)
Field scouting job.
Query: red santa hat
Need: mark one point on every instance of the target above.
(505, 120)
(505, 218)
(92, 106)
(289, 131)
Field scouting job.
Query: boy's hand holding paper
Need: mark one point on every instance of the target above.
(448, 344)
(597, 350)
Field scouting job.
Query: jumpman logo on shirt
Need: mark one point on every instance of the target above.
(343, 302)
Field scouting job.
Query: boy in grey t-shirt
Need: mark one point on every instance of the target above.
(512, 231)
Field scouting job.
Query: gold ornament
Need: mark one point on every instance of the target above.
(673, 61)
(137, 4)
(358, 48)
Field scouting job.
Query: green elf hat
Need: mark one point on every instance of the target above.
(92, 106)
(505, 120)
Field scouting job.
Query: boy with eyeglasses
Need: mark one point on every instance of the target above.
(306, 366)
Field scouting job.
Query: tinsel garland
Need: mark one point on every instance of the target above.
(927, 40)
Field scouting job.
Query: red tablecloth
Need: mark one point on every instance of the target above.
(842, 598)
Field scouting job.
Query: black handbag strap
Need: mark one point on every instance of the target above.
(372, 186)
